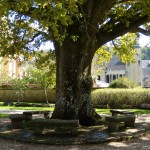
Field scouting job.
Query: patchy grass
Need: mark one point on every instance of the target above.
(4, 115)
(137, 111)
(27, 108)
(100, 111)
(141, 111)
(103, 111)
(23, 108)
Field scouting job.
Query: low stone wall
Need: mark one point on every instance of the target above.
(27, 96)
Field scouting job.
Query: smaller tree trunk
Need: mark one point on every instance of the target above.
(46, 97)
(87, 115)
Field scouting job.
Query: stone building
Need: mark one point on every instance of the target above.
(146, 73)
(11, 68)
(139, 72)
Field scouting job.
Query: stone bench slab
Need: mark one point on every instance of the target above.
(119, 111)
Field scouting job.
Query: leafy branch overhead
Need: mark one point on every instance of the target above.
(29, 23)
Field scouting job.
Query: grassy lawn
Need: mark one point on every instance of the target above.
(4, 115)
(27, 108)
(136, 111)
(100, 111)
(22, 108)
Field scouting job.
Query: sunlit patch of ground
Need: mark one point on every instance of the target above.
(118, 144)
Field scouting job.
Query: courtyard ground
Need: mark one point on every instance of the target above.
(126, 139)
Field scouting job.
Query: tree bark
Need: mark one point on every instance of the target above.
(86, 114)
(73, 83)
(68, 70)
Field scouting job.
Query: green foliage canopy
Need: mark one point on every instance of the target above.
(42, 69)
(25, 25)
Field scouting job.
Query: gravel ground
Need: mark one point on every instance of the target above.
(142, 144)
(139, 144)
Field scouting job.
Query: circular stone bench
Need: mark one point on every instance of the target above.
(38, 125)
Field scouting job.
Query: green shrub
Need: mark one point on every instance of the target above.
(122, 82)
(120, 98)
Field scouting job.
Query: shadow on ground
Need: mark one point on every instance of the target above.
(83, 135)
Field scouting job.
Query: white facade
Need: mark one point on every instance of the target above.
(146, 73)
(134, 70)
(139, 72)
(11, 68)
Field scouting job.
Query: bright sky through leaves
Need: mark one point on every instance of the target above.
(144, 40)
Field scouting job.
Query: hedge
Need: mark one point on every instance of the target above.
(101, 98)
(32, 96)
(121, 98)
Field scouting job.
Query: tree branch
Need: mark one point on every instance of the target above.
(98, 11)
(141, 30)
(37, 34)
(33, 38)
(119, 29)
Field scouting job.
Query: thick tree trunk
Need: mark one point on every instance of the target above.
(73, 85)
(67, 81)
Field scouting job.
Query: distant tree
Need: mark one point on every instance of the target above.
(43, 74)
(20, 85)
(122, 82)
(145, 53)
(102, 55)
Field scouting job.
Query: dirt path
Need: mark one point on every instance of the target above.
(142, 144)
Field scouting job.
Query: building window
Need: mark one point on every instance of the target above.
(98, 77)
(114, 77)
(107, 78)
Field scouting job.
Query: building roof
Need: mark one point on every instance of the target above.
(115, 61)
(120, 63)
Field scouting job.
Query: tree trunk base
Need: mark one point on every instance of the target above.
(91, 120)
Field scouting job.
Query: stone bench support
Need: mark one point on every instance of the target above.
(17, 120)
(114, 121)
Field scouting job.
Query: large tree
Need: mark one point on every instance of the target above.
(77, 28)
